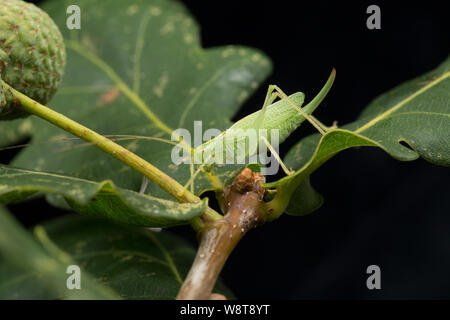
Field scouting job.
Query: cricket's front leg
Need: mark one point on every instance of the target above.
(194, 175)
(277, 156)
(144, 185)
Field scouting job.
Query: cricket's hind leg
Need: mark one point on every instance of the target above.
(270, 98)
(311, 119)
(315, 102)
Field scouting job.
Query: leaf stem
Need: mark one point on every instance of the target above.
(164, 181)
(245, 210)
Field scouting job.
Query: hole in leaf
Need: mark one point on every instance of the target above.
(405, 144)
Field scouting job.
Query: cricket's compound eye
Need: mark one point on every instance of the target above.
(32, 55)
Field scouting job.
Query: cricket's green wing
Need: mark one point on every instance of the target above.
(282, 115)
(241, 140)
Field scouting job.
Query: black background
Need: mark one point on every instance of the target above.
(377, 210)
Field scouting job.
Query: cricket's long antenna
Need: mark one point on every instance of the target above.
(37, 143)
(124, 137)
(120, 137)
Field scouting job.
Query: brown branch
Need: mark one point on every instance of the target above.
(245, 210)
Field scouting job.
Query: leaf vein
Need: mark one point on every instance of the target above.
(167, 256)
(403, 102)
(121, 85)
(138, 51)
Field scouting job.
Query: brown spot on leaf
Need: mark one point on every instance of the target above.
(108, 97)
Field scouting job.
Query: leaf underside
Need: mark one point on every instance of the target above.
(132, 263)
(98, 199)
